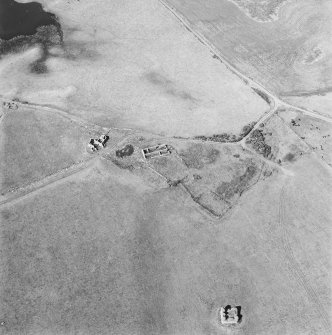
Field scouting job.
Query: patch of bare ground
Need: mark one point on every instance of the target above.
(313, 131)
(274, 140)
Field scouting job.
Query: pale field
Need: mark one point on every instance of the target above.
(290, 55)
(132, 64)
(102, 253)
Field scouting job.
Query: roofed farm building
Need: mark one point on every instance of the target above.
(95, 144)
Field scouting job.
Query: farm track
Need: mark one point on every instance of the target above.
(24, 192)
(294, 266)
(82, 122)
(77, 120)
(2, 116)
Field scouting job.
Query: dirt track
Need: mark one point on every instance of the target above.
(291, 262)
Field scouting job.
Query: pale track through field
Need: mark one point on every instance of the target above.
(293, 265)
(65, 114)
(34, 187)
(276, 103)
(54, 178)
(2, 116)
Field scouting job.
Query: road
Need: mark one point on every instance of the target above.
(276, 103)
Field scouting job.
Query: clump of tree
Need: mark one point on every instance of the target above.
(294, 123)
(257, 141)
(126, 151)
(224, 137)
(246, 130)
(227, 138)
(262, 95)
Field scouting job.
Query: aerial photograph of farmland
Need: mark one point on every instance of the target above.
(165, 167)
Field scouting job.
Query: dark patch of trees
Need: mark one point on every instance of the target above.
(257, 140)
(126, 151)
(225, 138)
(237, 185)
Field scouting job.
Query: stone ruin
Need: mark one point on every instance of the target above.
(230, 315)
(10, 105)
(157, 151)
(95, 144)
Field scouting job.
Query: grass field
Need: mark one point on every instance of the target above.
(102, 253)
(132, 64)
(35, 144)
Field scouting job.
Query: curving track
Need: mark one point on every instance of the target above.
(294, 267)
